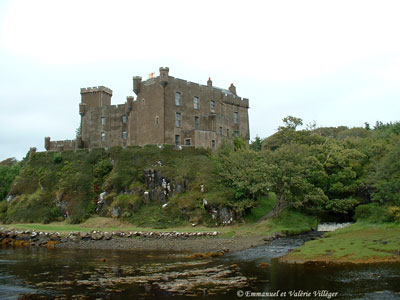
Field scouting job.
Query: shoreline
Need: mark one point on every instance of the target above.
(189, 242)
(330, 261)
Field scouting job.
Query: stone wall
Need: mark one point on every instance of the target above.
(151, 117)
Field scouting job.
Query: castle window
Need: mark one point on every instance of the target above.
(157, 121)
(143, 101)
(220, 130)
(178, 119)
(212, 104)
(187, 142)
(196, 122)
(103, 120)
(236, 133)
(236, 117)
(196, 103)
(103, 136)
(213, 144)
(227, 132)
(177, 140)
(178, 100)
(124, 135)
(124, 119)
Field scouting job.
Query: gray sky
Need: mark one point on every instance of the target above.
(333, 62)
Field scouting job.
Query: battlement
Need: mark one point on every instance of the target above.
(96, 89)
(60, 145)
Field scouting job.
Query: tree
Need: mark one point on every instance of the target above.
(386, 176)
(244, 171)
(256, 145)
(293, 175)
(7, 176)
(291, 123)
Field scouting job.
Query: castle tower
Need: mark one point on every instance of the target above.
(96, 96)
(137, 80)
(164, 76)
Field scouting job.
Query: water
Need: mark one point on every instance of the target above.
(332, 226)
(94, 274)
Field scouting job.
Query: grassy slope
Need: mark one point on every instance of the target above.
(359, 243)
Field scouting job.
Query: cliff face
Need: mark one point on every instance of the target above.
(147, 186)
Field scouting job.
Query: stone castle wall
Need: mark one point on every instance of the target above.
(151, 118)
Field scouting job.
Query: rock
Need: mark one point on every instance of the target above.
(10, 198)
(107, 236)
(96, 236)
(263, 264)
(115, 212)
(268, 239)
(84, 235)
(146, 197)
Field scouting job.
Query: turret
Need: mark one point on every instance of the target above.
(164, 76)
(47, 143)
(232, 89)
(129, 103)
(137, 80)
(209, 82)
(82, 109)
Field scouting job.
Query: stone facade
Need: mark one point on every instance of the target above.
(167, 110)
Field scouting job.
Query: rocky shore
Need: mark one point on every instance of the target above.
(139, 241)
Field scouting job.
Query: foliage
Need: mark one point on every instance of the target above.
(262, 207)
(256, 144)
(8, 171)
(327, 173)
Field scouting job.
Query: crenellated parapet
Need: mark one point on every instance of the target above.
(96, 89)
(57, 146)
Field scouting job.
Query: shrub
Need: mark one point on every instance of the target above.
(374, 212)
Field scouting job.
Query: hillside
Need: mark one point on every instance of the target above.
(325, 173)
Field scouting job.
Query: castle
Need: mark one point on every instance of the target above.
(167, 110)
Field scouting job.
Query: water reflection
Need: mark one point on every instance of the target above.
(93, 274)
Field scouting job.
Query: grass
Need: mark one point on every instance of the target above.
(289, 222)
(359, 243)
(264, 205)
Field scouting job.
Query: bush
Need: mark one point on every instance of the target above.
(36, 207)
(374, 213)
(127, 204)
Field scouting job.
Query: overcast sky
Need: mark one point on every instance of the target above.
(333, 62)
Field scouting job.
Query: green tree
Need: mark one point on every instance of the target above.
(294, 176)
(9, 169)
(256, 144)
(386, 177)
(245, 171)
